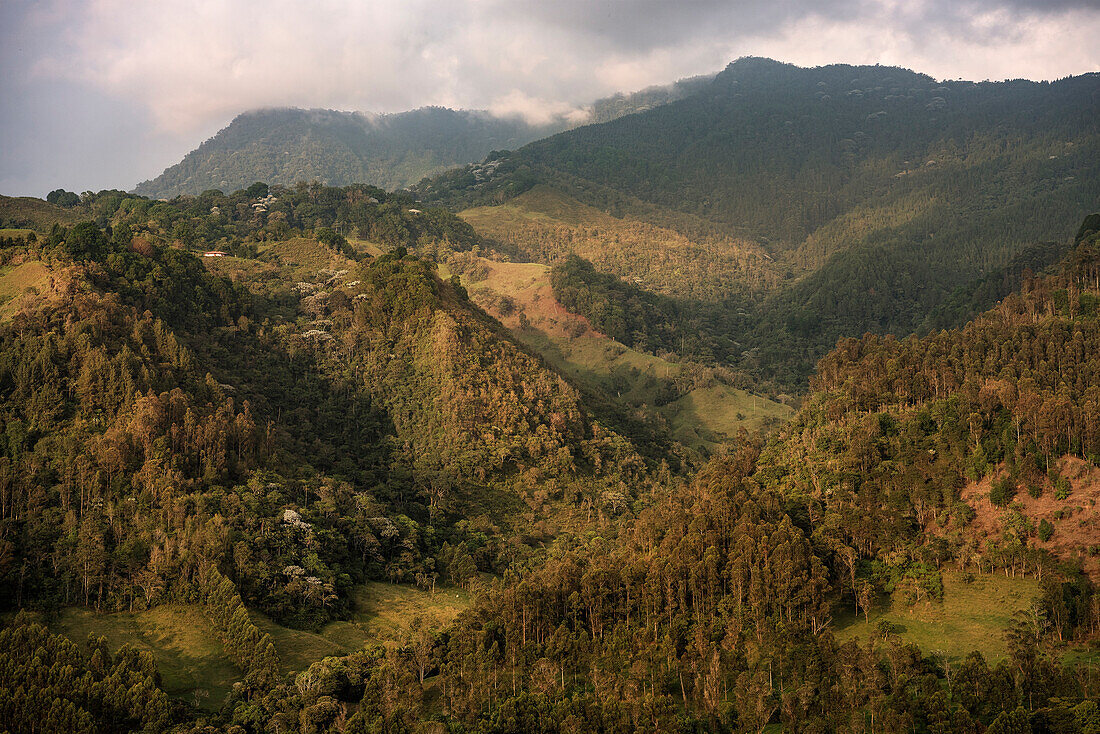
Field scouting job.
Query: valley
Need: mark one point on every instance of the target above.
(700, 407)
(767, 401)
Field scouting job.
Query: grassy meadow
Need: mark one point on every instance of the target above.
(194, 665)
(190, 658)
(15, 280)
(972, 616)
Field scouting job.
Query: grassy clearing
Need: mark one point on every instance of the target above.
(15, 280)
(32, 213)
(298, 649)
(721, 410)
(544, 225)
(971, 617)
(304, 256)
(371, 248)
(14, 233)
(384, 611)
(703, 418)
(193, 664)
(541, 203)
(242, 270)
(191, 660)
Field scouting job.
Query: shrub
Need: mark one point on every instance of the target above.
(1046, 530)
(1002, 491)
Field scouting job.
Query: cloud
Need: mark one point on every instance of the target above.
(534, 110)
(180, 70)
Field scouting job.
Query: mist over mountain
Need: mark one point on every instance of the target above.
(288, 145)
(392, 151)
(874, 192)
(631, 427)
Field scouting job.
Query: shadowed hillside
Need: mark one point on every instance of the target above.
(876, 191)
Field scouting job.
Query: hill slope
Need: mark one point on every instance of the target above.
(699, 406)
(285, 146)
(878, 191)
(347, 425)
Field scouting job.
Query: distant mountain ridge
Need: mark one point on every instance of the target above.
(287, 145)
(875, 191)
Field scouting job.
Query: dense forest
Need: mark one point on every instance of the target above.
(240, 439)
(878, 192)
(156, 414)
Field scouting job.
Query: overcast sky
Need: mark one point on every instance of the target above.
(101, 94)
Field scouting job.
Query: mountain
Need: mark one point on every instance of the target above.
(287, 145)
(918, 473)
(875, 191)
(284, 146)
(306, 386)
(329, 459)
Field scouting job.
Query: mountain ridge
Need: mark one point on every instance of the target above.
(877, 191)
(285, 145)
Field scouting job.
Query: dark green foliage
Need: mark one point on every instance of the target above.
(49, 684)
(1090, 226)
(972, 299)
(646, 321)
(1002, 491)
(251, 649)
(1046, 530)
(624, 312)
(879, 191)
(335, 241)
(261, 213)
(63, 198)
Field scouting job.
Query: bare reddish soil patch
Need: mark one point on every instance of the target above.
(1076, 519)
(528, 285)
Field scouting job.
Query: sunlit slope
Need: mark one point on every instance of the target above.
(29, 213)
(194, 664)
(974, 614)
(700, 408)
(544, 225)
(16, 280)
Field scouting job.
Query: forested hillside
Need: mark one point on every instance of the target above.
(877, 191)
(160, 420)
(270, 429)
(285, 146)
